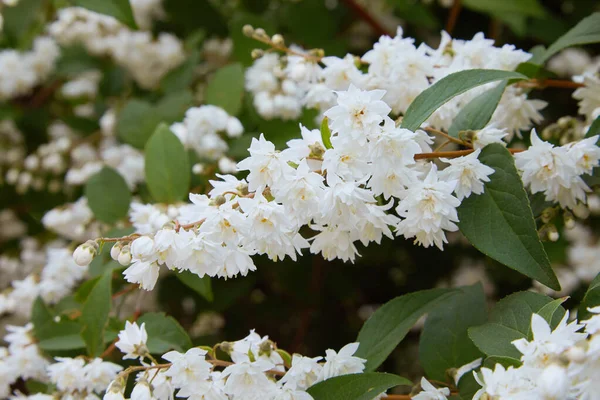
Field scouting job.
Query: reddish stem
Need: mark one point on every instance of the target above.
(368, 18)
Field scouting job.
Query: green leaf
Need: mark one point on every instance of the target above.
(226, 88)
(445, 342)
(181, 77)
(594, 128)
(20, 19)
(388, 325)
(70, 341)
(108, 195)
(120, 9)
(498, 7)
(500, 223)
(585, 32)
(591, 299)
(356, 386)
(477, 113)
(549, 310)
(326, 133)
(52, 335)
(164, 333)
(94, 315)
(75, 60)
(166, 166)
(445, 89)
(511, 320)
(201, 285)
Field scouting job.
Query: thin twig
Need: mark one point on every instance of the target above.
(440, 147)
(545, 83)
(453, 17)
(448, 137)
(457, 153)
(368, 18)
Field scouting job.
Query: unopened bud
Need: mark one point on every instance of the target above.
(226, 347)
(581, 211)
(242, 188)
(116, 250)
(569, 220)
(547, 215)
(218, 200)
(265, 348)
(124, 256)
(278, 40)
(257, 53)
(248, 30)
(84, 254)
(575, 354)
(260, 33)
(553, 234)
(316, 150)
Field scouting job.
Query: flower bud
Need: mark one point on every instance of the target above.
(553, 234)
(124, 257)
(278, 40)
(116, 250)
(84, 254)
(248, 30)
(257, 53)
(554, 382)
(141, 391)
(575, 354)
(260, 33)
(581, 211)
(569, 220)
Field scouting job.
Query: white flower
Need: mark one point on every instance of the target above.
(68, 374)
(342, 362)
(142, 249)
(247, 380)
(142, 272)
(430, 392)
(592, 325)
(266, 165)
(428, 209)
(468, 172)
(188, 369)
(303, 373)
(132, 340)
(141, 391)
(99, 374)
(488, 135)
(503, 383)
(554, 383)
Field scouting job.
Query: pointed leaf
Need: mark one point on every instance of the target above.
(108, 195)
(94, 315)
(388, 325)
(445, 89)
(226, 88)
(164, 333)
(500, 223)
(591, 299)
(326, 133)
(356, 386)
(585, 32)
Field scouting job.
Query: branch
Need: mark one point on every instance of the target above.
(452, 154)
(545, 83)
(368, 18)
(453, 17)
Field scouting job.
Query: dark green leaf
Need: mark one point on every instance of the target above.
(585, 32)
(477, 113)
(387, 327)
(94, 315)
(226, 88)
(326, 133)
(108, 195)
(594, 128)
(444, 342)
(18, 20)
(164, 333)
(201, 285)
(500, 223)
(50, 334)
(120, 9)
(499, 7)
(511, 320)
(167, 167)
(356, 386)
(136, 122)
(591, 299)
(445, 89)
(181, 77)
(173, 106)
(75, 60)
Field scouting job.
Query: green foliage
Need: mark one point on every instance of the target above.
(591, 299)
(501, 8)
(386, 328)
(444, 342)
(20, 20)
(448, 87)
(509, 234)
(164, 333)
(226, 88)
(53, 335)
(202, 286)
(326, 133)
(243, 45)
(120, 9)
(181, 77)
(167, 166)
(356, 386)
(477, 113)
(594, 128)
(511, 320)
(108, 195)
(585, 32)
(94, 314)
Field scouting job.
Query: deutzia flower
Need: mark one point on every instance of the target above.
(428, 209)
(304, 372)
(468, 172)
(132, 340)
(247, 380)
(342, 362)
(99, 374)
(488, 135)
(266, 165)
(68, 374)
(502, 383)
(188, 369)
(430, 392)
(144, 273)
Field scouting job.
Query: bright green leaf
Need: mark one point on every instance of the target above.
(201, 285)
(108, 195)
(594, 128)
(164, 333)
(326, 133)
(94, 315)
(166, 166)
(530, 8)
(591, 299)
(500, 223)
(511, 320)
(585, 32)
(388, 325)
(444, 342)
(356, 386)
(226, 88)
(120, 9)
(477, 113)
(445, 89)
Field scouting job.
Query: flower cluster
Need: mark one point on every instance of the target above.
(145, 58)
(20, 72)
(257, 370)
(556, 364)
